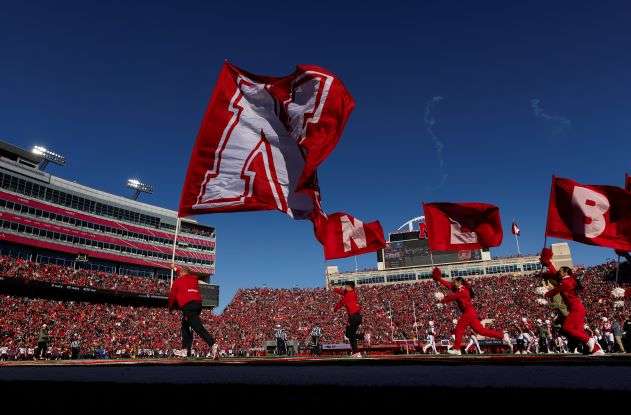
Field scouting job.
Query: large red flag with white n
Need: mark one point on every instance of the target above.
(591, 214)
(259, 146)
(462, 226)
(261, 140)
(343, 235)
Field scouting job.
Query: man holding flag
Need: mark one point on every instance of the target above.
(185, 296)
(460, 226)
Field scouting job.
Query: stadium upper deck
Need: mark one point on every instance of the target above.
(484, 266)
(49, 219)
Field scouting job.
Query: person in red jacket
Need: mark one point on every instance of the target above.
(461, 293)
(349, 301)
(574, 322)
(185, 296)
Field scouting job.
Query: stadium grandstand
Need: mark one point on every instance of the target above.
(49, 219)
(407, 259)
(69, 235)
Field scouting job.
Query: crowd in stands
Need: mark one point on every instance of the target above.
(390, 313)
(20, 268)
(122, 331)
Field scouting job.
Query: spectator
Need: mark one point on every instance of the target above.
(42, 343)
(616, 328)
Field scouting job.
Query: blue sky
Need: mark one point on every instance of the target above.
(120, 88)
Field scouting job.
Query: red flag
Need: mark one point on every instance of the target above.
(343, 235)
(627, 182)
(422, 230)
(258, 148)
(591, 214)
(515, 229)
(462, 226)
(261, 140)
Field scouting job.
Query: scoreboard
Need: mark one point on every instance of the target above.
(210, 295)
(407, 250)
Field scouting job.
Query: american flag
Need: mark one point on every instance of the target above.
(515, 229)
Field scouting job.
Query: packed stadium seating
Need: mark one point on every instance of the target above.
(20, 268)
(390, 312)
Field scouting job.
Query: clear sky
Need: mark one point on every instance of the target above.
(119, 87)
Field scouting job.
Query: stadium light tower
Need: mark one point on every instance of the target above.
(139, 187)
(48, 156)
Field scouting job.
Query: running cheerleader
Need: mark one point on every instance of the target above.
(462, 293)
(574, 322)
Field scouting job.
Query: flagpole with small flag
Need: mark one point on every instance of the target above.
(516, 231)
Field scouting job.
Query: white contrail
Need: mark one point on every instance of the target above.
(438, 144)
(561, 124)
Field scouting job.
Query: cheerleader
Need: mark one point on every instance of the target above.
(573, 324)
(431, 339)
(461, 294)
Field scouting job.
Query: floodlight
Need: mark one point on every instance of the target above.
(139, 187)
(48, 156)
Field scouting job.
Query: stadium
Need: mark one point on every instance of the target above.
(94, 267)
(136, 137)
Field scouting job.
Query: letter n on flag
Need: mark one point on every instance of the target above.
(591, 214)
(462, 226)
(343, 235)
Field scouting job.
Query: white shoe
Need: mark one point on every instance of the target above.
(357, 356)
(597, 350)
(481, 351)
(454, 352)
(517, 352)
(214, 351)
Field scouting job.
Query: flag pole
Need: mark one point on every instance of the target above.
(516, 238)
(177, 231)
(431, 256)
(545, 233)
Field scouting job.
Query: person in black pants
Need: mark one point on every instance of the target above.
(351, 304)
(191, 322)
(354, 321)
(185, 295)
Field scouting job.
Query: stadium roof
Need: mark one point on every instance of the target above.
(11, 152)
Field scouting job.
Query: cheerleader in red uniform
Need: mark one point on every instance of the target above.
(574, 323)
(461, 294)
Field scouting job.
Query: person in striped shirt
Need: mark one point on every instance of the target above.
(316, 335)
